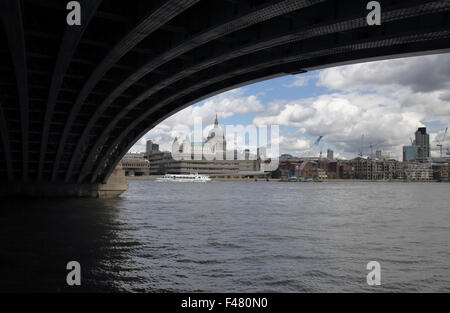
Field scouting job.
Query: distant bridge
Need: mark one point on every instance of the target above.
(74, 99)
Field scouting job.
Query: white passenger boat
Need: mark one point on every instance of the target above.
(188, 178)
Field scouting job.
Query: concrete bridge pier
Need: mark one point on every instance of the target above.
(115, 186)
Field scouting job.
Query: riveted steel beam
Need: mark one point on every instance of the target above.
(69, 43)
(143, 29)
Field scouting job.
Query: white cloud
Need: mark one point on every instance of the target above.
(418, 84)
(300, 81)
(292, 145)
(225, 105)
(342, 119)
(420, 74)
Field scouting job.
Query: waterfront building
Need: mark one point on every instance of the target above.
(409, 153)
(208, 157)
(163, 163)
(346, 170)
(309, 170)
(291, 168)
(441, 172)
(332, 169)
(136, 164)
(375, 169)
(322, 174)
(415, 171)
(361, 168)
(315, 168)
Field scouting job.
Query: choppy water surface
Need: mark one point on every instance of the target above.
(232, 237)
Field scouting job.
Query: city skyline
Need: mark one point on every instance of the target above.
(342, 104)
(418, 151)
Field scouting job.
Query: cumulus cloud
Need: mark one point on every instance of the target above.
(292, 145)
(420, 74)
(300, 81)
(225, 105)
(343, 118)
(418, 84)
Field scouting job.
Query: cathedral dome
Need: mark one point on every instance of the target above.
(216, 132)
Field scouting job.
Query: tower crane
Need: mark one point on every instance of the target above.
(361, 152)
(376, 145)
(306, 161)
(372, 146)
(299, 170)
(440, 143)
(317, 144)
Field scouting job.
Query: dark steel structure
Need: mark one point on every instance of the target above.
(74, 99)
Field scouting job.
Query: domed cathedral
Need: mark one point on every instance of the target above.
(215, 146)
(184, 150)
(208, 156)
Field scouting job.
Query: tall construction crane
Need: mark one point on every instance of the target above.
(317, 144)
(306, 161)
(312, 150)
(375, 145)
(440, 143)
(361, 148)
(372, 146)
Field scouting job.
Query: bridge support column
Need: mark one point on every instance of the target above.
(115, 186)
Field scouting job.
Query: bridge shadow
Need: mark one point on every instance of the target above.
(38, 239)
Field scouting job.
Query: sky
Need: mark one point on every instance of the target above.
(379, 104)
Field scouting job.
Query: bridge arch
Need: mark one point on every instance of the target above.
(76, 98)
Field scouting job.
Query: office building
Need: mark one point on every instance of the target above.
(330, 154)
(423, 144)
(409, 153)
(136, 164)
(415, 171)
(151, 147)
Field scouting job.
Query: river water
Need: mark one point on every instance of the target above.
(232, 237)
